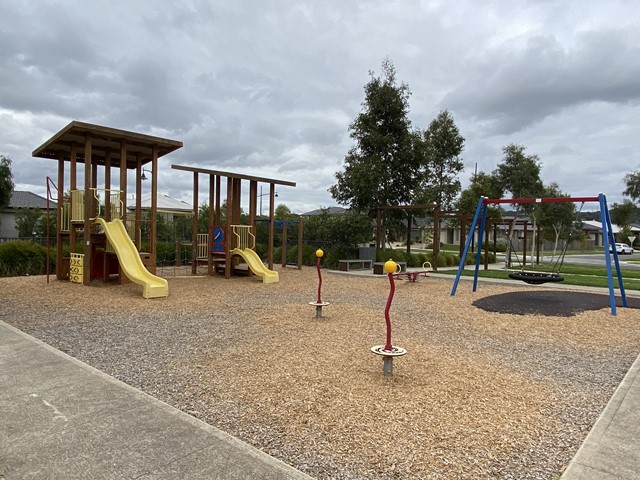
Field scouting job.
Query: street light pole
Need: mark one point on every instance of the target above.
(262, 195)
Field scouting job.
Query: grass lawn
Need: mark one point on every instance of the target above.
(573, 275)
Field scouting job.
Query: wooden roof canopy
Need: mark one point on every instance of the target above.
(104, 141)
(233, 175)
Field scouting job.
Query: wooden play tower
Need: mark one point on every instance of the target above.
(102, 149)
(217, 247)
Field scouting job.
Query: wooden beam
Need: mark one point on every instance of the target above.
(233, 175)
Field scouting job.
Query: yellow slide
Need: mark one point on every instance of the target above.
(255, 264)
(130, 261)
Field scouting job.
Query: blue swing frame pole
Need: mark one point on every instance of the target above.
(609, 240)
(483, 222)
(472, 229)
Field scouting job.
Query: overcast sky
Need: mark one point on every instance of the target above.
(269, 88)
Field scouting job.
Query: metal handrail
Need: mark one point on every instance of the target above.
(243, 235)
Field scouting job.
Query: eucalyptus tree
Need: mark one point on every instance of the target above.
(384, 166)
(557, 220)
(632, 182)
(443, 145)
(519, 173)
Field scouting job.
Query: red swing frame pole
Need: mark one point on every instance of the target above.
(488, 201)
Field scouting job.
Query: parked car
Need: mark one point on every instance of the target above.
(622, 248)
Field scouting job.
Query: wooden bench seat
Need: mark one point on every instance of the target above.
(345, 265)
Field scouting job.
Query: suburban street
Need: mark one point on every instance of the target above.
(599, 260)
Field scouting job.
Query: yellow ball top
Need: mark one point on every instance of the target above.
(319, 253)
(390, 266)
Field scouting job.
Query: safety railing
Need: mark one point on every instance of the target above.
(203, 244)
(66, 215)
(244, 237)
(77, 204)
(116, 204)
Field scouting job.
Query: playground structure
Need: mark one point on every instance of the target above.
(319, 303)
(540, 277)
(226, 244)
(412, 275)
(111, 240)
(388, 351)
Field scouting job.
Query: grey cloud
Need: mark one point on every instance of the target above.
(515, 89)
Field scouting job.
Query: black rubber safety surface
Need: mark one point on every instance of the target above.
(554, 303)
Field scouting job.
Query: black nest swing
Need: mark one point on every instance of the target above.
(536, 278)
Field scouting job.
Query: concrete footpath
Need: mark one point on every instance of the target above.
(611, 451)
(62, 419)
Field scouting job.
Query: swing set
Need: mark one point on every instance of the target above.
(537, 278)
(533, 277)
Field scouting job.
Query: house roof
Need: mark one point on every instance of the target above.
(166, 204)
(597, 225)
(330, 211)
(20, 199)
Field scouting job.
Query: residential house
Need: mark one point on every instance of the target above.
(20, 199)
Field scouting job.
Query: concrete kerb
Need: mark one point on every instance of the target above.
(610, 449)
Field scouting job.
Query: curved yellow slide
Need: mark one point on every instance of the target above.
(255, 264)
(153, 287)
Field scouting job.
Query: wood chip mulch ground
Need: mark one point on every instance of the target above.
(480, 394)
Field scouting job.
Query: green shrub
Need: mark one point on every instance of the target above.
(471, 258)
(24, 258)
(501, 247)
(309, 255)
(388, 253)
(166, 253)
(337, 253)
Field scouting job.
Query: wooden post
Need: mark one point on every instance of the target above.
(209, 229)
(408, 233)
(88, 204)
(463, 233)
(73, 186)
(272, 197)
(107, 187)
(538, 245)
(217, 216)
(378, 229)
(486, 249)
(509, 245)
(123, 180)
(194, 227)
(524, 243)
(227, 238)
(436, 236)
(59, 216)
(300, 242)
(284, 243)
(153, 230)
(138, 214)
